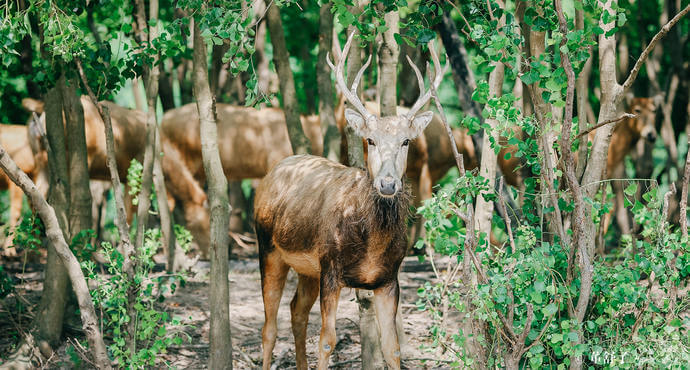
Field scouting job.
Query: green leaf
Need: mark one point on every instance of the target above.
(631, 189)
(549, 309)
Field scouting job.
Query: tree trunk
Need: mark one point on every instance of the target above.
(409, 89)
(51, 311)
(80, 191)
(462, 74)
(263, 73)
(145, 35)
(165, 89)
(167, 231)
(582, 90)
(281, 59)
(372, 356)
(221, 345)
(355, 149)
(331, 141)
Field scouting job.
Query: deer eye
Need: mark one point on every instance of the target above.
(637, 110)
(406, 142)
(371, 142)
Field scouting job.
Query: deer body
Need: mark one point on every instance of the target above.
(338, 226)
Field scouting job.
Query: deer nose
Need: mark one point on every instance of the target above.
(387, 186)
(651, 136)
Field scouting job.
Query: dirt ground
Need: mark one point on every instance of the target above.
(246, 315)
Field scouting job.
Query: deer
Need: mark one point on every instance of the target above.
(339, 226)
(15, 138)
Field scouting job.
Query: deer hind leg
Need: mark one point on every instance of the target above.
(386, 306)
(305, 296)
(330, 293)
(273, 274)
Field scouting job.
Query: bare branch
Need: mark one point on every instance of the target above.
(645, 53)
(615, 120)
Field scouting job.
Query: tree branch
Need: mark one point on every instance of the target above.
(587, 131)
(645, 53)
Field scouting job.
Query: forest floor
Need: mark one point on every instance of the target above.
(190, 303)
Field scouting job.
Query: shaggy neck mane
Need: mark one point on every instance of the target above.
(388, 214)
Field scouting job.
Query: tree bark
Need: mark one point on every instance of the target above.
(281, 59)
(50, 316)
(372, 356)
(221, 345)
(331, 141)
(582, 90)
(355, 149)
(165, 89)
(263, 73)
(80, 191)
(462, 74)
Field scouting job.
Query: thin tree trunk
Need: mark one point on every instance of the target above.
(167, 232)
(165, 89)
(355, 149)
(331, 141)
(582, 90)
(145, 35)
(55, 287)
(372, 356)
(263, 73)
(281, 59)
(409, 89)
(221, 345)
(80, 192)
(462, 74)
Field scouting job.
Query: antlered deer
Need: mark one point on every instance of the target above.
(15, 139)
(338, 226)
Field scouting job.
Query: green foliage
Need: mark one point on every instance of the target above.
(27, 234)
(135, 172)
(630, 321)
(155, 330)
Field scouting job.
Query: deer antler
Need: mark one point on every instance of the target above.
(438, 76)
(350, 93)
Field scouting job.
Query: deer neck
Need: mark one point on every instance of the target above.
(387, 214)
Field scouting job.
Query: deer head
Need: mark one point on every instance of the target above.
(388, 138)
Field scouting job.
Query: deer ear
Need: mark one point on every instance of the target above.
(33, 105)
(420, 121)
(356, 121)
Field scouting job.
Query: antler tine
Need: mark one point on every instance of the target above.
(438, 76)
(350, 93)
(359, 75)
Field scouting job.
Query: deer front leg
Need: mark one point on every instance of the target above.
(330, 293)
(305, 296)
(386, 306)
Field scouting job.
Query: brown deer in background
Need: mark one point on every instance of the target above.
(338, 226)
